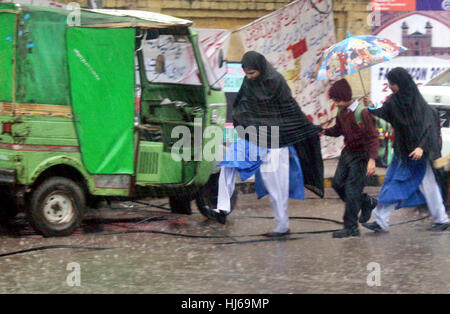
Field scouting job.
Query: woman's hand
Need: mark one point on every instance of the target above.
(371, 167)
(416, 154)
(321, 133)
(367, 102)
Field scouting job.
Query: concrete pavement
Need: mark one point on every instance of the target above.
(231, 258)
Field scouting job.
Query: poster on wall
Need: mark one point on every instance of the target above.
(292, 38)
(425, 32)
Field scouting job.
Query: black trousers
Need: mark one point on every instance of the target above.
(348, 182)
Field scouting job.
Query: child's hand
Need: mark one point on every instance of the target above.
(371, 167)
(416, 154)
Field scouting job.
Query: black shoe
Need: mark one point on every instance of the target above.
(439, 227)
(366, 211)
(347, 232)
(276, 234)
(373, 226)
(220, 216)
(208, 212)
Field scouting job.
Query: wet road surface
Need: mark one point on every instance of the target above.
(152, 257)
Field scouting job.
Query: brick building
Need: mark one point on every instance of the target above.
(420, 44)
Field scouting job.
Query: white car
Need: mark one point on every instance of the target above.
(437, 93)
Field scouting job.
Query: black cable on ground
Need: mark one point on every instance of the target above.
(136, 220)
(242, 236)
(202, 237)
(410, 221)
(152, 205)
(160, 232)
(248, 235)
(298, 217)
(306, 232)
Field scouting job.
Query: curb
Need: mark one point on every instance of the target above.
(375, 180)
(248, 186)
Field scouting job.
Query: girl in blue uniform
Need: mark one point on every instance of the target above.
(410, 179)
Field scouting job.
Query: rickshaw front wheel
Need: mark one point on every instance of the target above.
(207, 195)
(181, 204)
(56, 207)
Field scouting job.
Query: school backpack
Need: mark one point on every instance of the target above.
(385, 136)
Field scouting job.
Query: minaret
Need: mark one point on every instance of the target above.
(428, 39)
(405, 41)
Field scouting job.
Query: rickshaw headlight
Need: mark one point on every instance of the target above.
(215, 116)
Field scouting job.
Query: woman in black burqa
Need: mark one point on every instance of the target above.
(274, 122)
(410, 179)
(267, 101)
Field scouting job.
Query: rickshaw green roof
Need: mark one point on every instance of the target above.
(145, 16)
(105, 17)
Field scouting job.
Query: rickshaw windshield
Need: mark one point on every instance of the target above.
(170, 59)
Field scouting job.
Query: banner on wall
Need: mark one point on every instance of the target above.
(422, 69)
(292, 38)
(411, 5)
(426, 35)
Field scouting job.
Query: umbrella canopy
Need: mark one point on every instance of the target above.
(354, 54)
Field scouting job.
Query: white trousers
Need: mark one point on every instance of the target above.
(430, 190)
(275, 175)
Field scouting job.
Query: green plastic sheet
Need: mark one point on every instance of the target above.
(42, 67)
(101, 70)
(7, 22)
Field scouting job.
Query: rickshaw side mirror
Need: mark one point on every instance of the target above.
(160, 66)
(221, 59)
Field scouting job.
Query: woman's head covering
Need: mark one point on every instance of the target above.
(340, 91)
(401, 77)
(256, 61)
(267, 102)
(253, 60)
(408, 93)
(407, 87)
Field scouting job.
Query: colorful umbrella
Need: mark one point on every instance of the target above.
(354, 54)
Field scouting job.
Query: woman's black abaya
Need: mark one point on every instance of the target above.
(266, 103)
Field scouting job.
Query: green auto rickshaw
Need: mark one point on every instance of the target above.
(89, 109)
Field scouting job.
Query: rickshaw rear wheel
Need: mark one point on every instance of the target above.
(56, 207)
(8, 208)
